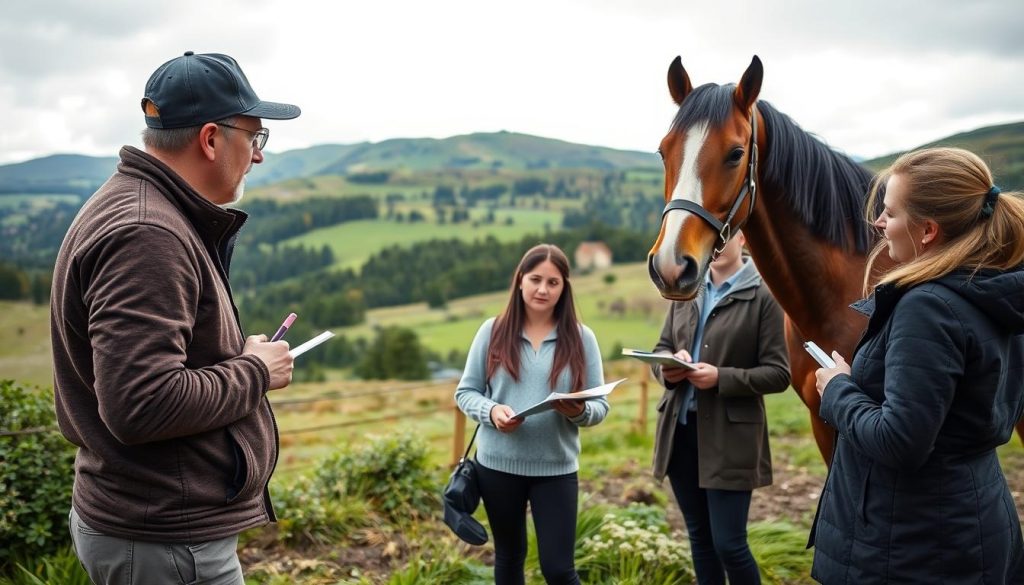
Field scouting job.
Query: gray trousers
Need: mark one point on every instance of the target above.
(110, 560)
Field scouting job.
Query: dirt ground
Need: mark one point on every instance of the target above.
(792, 497)
(374, 553)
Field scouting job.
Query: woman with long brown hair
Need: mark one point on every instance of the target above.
(915, 493)
(535, 347)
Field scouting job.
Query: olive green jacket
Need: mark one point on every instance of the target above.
(744, 337)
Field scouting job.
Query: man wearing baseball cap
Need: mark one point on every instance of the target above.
(153, 379)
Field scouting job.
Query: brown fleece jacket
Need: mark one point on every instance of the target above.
(176, 438)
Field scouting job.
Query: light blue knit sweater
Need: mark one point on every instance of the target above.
(547, 443)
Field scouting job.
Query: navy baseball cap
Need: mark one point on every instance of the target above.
(192, 90)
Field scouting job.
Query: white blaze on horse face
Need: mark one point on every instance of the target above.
(688, 187)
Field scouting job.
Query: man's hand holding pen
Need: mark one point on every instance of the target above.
(274, 353)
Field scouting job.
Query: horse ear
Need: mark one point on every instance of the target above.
(749, 86)
(678, 81)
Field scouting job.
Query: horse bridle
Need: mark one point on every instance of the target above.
(724, 228)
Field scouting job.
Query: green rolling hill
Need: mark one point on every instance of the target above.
(1002, 147)
(509, 152)
(499, 150)
(59, 173)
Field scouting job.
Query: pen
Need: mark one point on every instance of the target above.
(284, 327)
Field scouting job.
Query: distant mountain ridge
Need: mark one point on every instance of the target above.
(71, 173)
(491, 150)
(1002, 146)
(59, 173)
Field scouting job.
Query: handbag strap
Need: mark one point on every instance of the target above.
(487, 392)
(470, 445)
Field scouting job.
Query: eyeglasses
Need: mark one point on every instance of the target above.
(259, 137)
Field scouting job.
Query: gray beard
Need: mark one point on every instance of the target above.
(239, 191)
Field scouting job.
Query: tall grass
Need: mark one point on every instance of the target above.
(62, 568)
(781, 552)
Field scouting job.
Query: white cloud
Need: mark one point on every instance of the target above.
(869, 77)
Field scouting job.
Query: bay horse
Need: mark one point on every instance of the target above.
(731, 162)
(806, 231)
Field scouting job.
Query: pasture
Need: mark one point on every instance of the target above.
(626, 312)
(25, 343)
(318, 420)
(354, 242)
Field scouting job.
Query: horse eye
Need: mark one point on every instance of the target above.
(661, 155)
(735, 156)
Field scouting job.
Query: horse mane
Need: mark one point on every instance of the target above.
(824, 188)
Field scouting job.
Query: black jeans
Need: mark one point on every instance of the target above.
(715, 519)
(553, 503)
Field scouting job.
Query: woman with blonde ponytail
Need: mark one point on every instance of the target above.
(915, 493)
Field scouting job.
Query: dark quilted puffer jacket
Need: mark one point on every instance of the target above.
(915, 493)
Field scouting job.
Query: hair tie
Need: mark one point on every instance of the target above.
(991, 198)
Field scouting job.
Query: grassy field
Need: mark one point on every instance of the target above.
(354, 242)
(25, 343)
(319, 419)
(638, 324)
(333, 186)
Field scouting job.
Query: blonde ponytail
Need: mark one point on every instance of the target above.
(981, 227)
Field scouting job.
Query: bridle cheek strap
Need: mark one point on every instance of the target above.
(749, 188)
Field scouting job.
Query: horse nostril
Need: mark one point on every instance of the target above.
(653, 272)
(688, 272)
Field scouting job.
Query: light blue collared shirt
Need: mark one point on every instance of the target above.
(712, 296)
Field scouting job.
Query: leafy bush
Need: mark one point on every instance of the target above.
(390, 473)
(388, 477)
(309, 512)
(36, 475)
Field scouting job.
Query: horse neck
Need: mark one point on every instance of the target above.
(814, 282)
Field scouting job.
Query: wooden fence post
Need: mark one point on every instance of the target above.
(459, 443)
(644, 375)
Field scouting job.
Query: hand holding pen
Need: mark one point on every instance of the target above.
(274, 355)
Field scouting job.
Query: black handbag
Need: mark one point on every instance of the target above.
(462, 497)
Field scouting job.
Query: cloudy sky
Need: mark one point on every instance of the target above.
(868, 76)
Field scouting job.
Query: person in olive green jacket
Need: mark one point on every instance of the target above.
(712, 436)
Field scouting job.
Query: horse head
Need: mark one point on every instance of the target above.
(710, 157)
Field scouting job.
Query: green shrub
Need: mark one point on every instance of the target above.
(385, 478)
(310, 513)
(390, 473)
(36, 475)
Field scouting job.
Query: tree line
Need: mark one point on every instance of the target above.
(31, 235)
(270, 221)
(435, 272)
